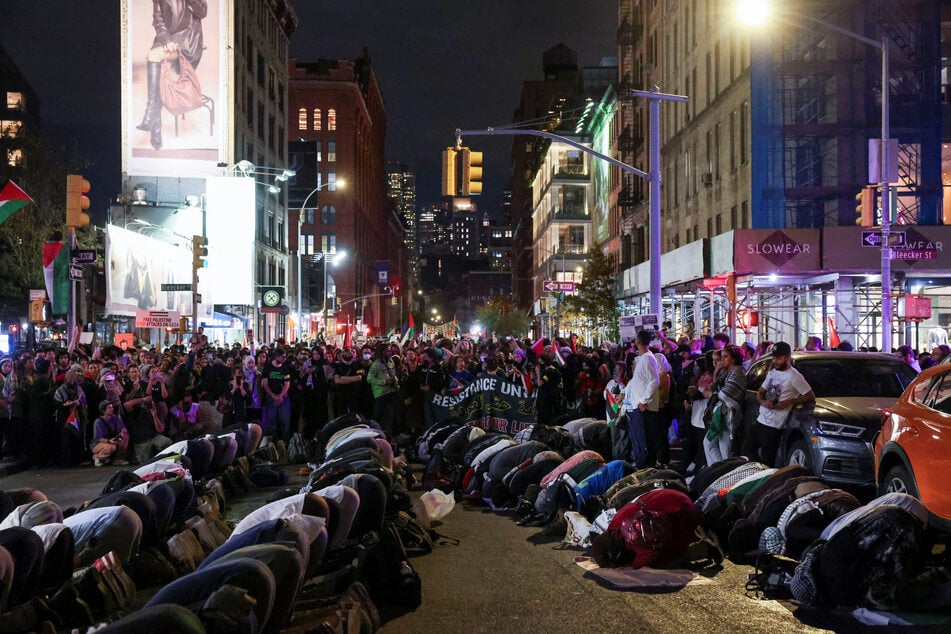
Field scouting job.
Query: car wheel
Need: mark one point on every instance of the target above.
(897, 480)
(799, 455)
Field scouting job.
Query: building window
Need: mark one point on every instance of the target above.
(331, 151)
(328, 242)
(249, 106)
(733, 138)
(332, 181)
(260, 120)
(262, 272)
(331, 119)
(302, 119)
(261, 71)
(280, 276)
(307, 244)
(270, 131)
(328, 215)
(268, 227)
(317, 120)
(280, 234)
(309, 216)
(15, 157)
(744, 124)
(15, 101)
(744, 214)
(10, 128)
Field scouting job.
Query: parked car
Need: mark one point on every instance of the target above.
(833, 436)
(913, 450)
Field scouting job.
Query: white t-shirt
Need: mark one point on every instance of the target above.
(781, 385)
(287, 508)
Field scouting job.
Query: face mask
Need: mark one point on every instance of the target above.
(366, 357)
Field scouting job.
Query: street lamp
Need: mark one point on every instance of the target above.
(331, 185)
(755, 12)
(337, 258)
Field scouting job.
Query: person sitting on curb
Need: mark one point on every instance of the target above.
(110, 438)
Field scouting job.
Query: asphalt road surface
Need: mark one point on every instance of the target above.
(503, 578)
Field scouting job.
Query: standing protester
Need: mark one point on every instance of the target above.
(11, 409)
(383, 380)
(410, 381)
(641, 399)
(548, 396)
(252, 376)
(727, 417)
(783, 388)
(316, 376)
(70, 414)
(276, 383)
(42, 411)
(432, 384)
(236, 398)
(348, 380)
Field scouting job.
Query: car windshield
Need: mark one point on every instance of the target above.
(856, 377)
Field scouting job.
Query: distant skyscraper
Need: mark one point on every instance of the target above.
(401, 188)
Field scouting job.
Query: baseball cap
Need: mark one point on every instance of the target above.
(781, 349)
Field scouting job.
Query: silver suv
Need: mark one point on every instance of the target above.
(833, 436)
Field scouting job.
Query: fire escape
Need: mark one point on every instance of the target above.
(631, 199)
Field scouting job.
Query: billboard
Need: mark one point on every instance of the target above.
(230, 218)
(137, 268)
(175, 99)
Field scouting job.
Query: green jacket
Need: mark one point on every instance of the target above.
(378, 376)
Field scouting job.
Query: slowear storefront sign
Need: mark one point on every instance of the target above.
(766, 251)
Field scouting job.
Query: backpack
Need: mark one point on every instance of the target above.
(435, 435)
(391, 578)
(711, 495)
(556, 438)
(864, 562)
(634, 491)
(297, 450)
(597, 483)
(657, 527)
(268, 474)
(805, 518)
(416, 540)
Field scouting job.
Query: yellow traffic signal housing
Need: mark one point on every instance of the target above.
(76, 201)
(865, 210)
(199, 252)
(471, 172)
(449, 172)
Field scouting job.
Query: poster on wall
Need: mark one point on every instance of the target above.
(174, 86)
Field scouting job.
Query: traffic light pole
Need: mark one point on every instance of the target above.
(654, 97)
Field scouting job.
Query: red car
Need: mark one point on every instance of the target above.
(913, 450)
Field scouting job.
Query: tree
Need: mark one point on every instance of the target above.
(500, 316)
(42, 175)
(595, 300)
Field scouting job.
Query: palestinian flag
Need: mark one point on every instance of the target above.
(410, 331)
(560, 360)
(56, 274)
(539, 346)
(12, 198)
(614, 403)
(834, 340)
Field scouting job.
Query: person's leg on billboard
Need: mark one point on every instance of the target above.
(152, 120)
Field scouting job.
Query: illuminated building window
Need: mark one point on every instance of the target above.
(317, 121)
(307, 244)
(15, 101)
(332, 181)
(302, 119)
(328, 242)
(331, 150)
(15, 157)
(10, 128)
(331, 119)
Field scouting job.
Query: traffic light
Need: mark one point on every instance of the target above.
(76, 202)
(199, 252)
(865, 209)
(183, 324)
(471, 172)
(449, 172)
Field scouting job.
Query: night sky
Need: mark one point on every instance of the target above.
(441, 66)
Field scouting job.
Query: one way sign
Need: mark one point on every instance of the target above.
(874, 238)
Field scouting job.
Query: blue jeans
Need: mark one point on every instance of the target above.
(635, 430)
(277, 418)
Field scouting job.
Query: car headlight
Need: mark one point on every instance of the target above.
(839, 429)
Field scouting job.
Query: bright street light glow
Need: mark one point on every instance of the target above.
(339, 257)
(476, 328)
(753, 12)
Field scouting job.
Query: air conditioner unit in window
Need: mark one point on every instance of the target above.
(707, 179)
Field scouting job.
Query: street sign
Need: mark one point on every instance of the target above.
(914, 254)
(75, 272)
(83, 256)
(279, 310)
(874, 238)
(37, 294)
(176, 287)
(554, 286)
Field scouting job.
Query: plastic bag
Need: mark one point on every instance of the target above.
(437, 503)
